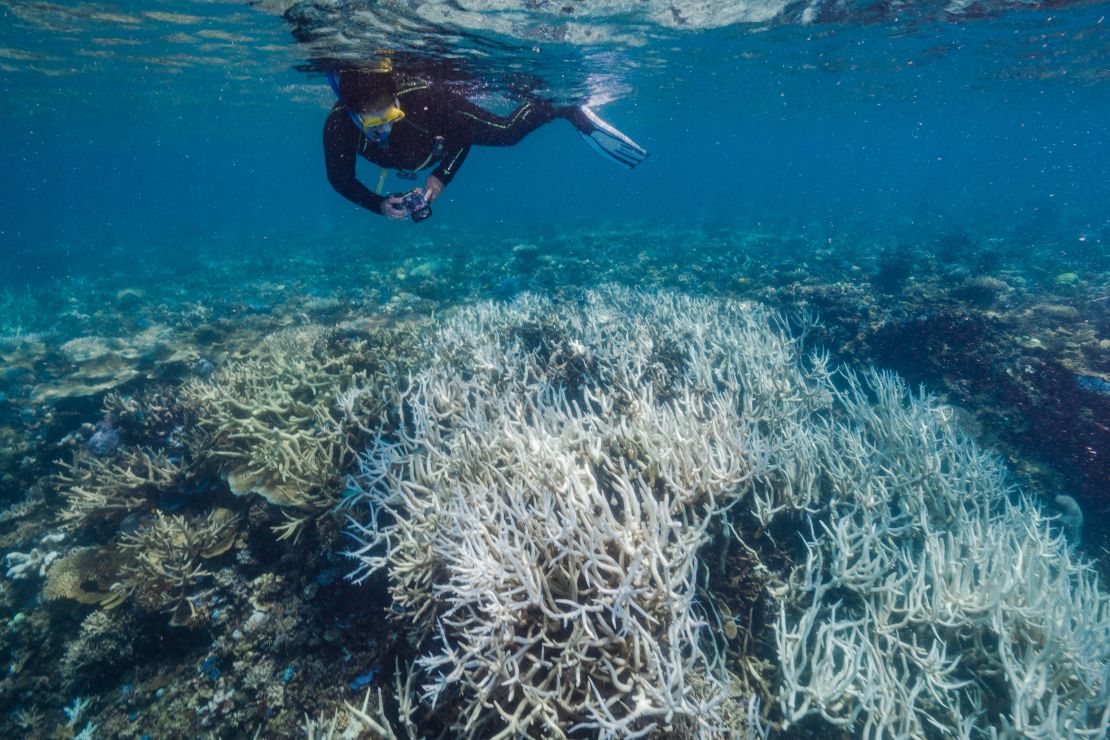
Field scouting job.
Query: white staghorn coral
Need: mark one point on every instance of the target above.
(541, 512)
(542, 491)
(934, 599)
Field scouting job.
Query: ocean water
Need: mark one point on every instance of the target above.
(152, 127)
(927, 183)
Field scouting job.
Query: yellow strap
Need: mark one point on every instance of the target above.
(439, 142)
(385, 173)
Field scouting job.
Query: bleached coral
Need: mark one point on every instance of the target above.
(541, 509)
(357, 721)
(23, 565)
(542, 493)
(76, 710)
(931, 590)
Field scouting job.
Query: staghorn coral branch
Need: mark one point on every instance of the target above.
(542, 492)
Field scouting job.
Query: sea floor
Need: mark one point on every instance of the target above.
(106, 362)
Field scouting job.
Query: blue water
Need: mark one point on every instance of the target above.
(992, 124)
(930, 180)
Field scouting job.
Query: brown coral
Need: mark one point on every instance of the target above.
(165, 571)
(86, 575)
(271, 423)
(98, 488)
(105, 639)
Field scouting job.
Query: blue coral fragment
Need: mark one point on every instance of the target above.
(209, 668)
(1093, 384)
(364, 680)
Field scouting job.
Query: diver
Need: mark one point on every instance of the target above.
(413, 126)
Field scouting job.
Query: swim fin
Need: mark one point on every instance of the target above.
(606, 140)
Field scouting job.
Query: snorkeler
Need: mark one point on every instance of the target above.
(415, 126)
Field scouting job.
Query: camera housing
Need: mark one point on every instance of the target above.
(415, 205)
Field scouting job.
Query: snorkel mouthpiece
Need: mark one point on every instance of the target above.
(379, 135)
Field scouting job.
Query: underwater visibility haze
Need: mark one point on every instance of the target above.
(800, 427)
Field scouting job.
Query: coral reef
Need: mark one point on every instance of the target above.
(270, 422)
(280, 421)
(1020, 351)
(544, 500)
(600, 454)
(164, 568)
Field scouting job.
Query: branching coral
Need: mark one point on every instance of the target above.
(105, 639)
(930, 593)
(270, 423)
(22, 565)
(541, 510)
(140, 458)
(165, 569)
(159, 563)
(98, 488)
(367, 717)
(543, 499)
(30, 720)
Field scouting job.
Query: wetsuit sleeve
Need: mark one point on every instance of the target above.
(340, 142)
(454, 154)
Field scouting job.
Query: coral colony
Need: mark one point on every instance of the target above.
(552, 478)
(630, 514)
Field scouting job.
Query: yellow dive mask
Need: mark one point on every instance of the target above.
(389, 116)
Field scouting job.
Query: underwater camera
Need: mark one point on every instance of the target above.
(414, 204)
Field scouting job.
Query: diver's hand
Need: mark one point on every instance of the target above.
(432, 188)
(392, 208)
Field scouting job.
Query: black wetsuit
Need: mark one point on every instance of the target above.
(430, 112)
